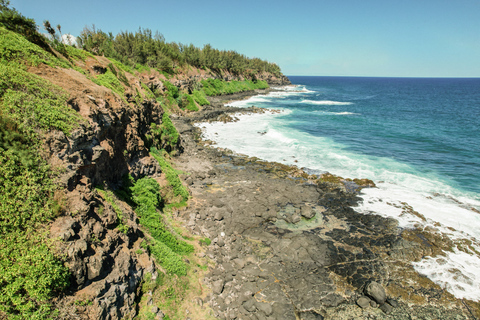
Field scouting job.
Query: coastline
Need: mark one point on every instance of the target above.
(286, 247)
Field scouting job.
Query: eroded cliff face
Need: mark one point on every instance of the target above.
(97, 234)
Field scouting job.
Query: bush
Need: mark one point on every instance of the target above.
(200, 98)
(172, 91)
(15, 49)
(185, 101)
(34, 103)
(215, 87)
(171, 174)
(165, 246)
(110, 81)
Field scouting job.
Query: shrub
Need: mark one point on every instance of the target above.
(34, 103)
(30, 274)
(15, 49)
(164, 135)
(185, 101)
(165, 246)
(215, 87)
(200, 98)
(171, 174)
(172, 90)
(110, 81)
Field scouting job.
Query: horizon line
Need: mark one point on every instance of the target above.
(406, 77)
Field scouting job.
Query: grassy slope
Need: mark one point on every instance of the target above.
(30, 274)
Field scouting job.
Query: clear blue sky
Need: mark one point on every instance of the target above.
(410, 38)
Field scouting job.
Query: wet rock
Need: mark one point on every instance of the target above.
(376, 292)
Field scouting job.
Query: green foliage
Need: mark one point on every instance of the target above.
(143, 50)
(33, 103)
(121, 66)
(77, 54)
(171, 174)
(148, 92)
(172, 91)
(215, 87)
(110, 81)
(206, 241)
(12, 20)
(200, 97)
(97, 42)
(164, 246)
(29, 272)
(15, 49)
(185, 101)
(119, 74)
(165, 135)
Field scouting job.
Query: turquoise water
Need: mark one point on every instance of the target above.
(432, 125)
(417, 139)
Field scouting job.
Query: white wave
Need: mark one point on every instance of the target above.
(344, 113)
(327, 102)
(248, 102)
(457, 272)
(293, 88)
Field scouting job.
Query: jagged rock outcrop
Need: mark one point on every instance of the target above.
(99, 237)
(97, 234)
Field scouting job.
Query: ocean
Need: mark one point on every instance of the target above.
(418, 139)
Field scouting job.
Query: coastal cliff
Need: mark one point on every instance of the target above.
(151, 222)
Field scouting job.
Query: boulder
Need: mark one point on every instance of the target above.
(376, 292)
(307, 212)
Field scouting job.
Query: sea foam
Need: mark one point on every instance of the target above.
(326, 102)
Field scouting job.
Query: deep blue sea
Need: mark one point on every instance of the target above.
(418, 139)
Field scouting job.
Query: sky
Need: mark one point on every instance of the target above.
(382, 38)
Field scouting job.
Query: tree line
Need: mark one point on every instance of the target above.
(148, 49)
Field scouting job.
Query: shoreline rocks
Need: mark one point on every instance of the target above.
(288, 247)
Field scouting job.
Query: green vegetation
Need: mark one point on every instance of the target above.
(166, 247)
(12, 20)
(185, 101)
(77, 54)
(119, 74)
(205, 241)
(30, 274)
(143, 49)
(170, 173)
(172, 92)
(15, 49)
(200, 97)
(110, 81)
(33, 103)
(163, 136)
(217, 87)
(148, 92)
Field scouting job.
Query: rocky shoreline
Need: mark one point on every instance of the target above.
(285, 245)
